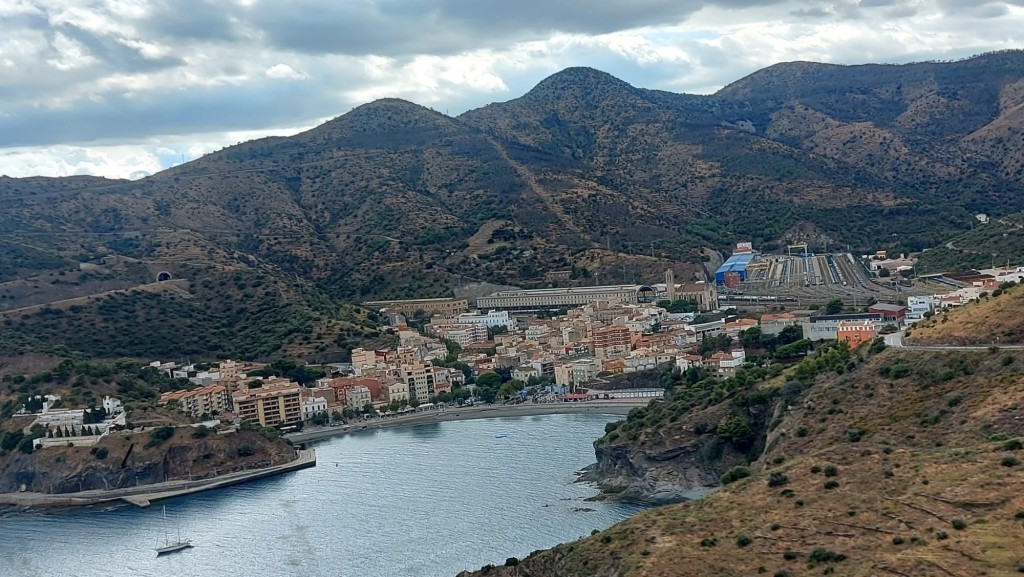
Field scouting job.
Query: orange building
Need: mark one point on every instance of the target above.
(854, 333)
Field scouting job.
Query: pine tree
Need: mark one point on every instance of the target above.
(60, 433)
(49, 433)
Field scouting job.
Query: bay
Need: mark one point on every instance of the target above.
(428, 500)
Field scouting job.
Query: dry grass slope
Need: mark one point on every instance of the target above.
(866, 475)
(995, 319)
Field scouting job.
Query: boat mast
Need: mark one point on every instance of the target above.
(166, 537)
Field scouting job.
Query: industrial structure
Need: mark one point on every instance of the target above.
(734, 270)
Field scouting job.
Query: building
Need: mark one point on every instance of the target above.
(357, 397)
(826, 327)
(610, 336)
(270, 405)
(734, 268)
(462, 334)
(725, 365)
(395, 391)
(312, 407)
(490, 319)
(702, 293)
(895, 314)
(536, 299)
(734, 328)
(773, 324)
(576, 372)
(918, 307)
(408, 308)
(112, 406)
(210, 400)
(853, 333)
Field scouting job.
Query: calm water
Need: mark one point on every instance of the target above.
(429, 500)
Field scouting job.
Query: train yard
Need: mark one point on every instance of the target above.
(815, 279)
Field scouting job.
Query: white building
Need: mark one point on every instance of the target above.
(112, 406)
(314, 406)
(918, 306)
(491, 319)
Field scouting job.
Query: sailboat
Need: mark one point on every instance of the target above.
(169, 547)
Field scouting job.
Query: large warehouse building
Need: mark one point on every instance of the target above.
(734, 271)
(564, 297)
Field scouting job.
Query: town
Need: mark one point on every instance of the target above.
(551, 345)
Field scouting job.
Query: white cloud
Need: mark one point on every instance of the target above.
(285, 72)
(127, 81)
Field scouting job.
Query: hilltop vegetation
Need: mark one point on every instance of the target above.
(993, 244)
(895, 463)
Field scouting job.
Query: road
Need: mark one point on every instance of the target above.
(895, 340)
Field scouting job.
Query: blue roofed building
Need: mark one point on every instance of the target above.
(735, 268)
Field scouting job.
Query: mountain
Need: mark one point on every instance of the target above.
(865, 462)
(584, 173)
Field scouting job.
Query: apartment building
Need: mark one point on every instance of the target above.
(270, 405)
(610, 336)
(773, 324)
(357, 397)
(826, 327)
(462, 334)
(490, 319)
(210, 400)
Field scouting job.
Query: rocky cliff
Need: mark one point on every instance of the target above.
(125, 461)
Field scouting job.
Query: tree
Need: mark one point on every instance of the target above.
(336, 415)
(834, 307)
(369, 409)
(790, 334)
(489, 380)
(320, 419)
(884, 273)
(26, 445)
(488, 395)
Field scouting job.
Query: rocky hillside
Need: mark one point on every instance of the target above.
(996, 242)
(126, 460)
(896, 463)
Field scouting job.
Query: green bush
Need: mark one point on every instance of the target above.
(942, 535)
(743, 541)
(159, 435)
(1013, 445)
(100, 452)
(735, 474)
(801, 431)
(789, 555)
(831, 471)
(777, 479)
(897, 540)
(899, 370)
(1009, 461)
(815, 469)
(708, 542)
(832, 484)
(959, 524)
(822, 555)
(246, 450)
(201, 432)
(511, 562)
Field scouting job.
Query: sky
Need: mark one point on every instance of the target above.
(125, 88)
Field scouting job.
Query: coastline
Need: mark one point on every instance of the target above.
(144, 495)
(616, 407)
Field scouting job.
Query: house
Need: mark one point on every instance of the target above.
(918, 307)
(312, 407)
(395, 391)
(734, 328)
(524, 373)
(725, 364)
(357, 397)
(854, 333)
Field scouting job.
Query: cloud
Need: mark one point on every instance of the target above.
(105, 85)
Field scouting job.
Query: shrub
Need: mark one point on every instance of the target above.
(100, 452)
(775, 527)
(735, 474)
(606, 539)
(743, 541)
(815, 469)
(159, 435)
(801, 431)
(1006, 360)
(897, 540)
(899, 370)
(942, 535)
(832, 484)
(26, 445)
(201, 432)
(1019, 515)
(777, 479)
(1009, 461)
(854, 435)
(782, 573)
(789, 555)
(708, 542)
(959, 524)
(246, 450)
(822, 555)
(511, 562)
(1013, 445)
(831, 471)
